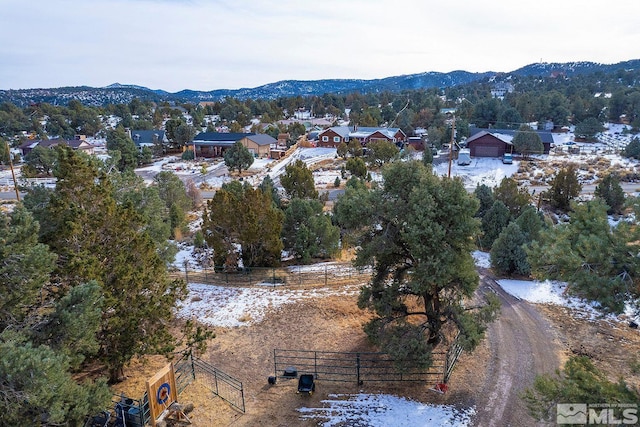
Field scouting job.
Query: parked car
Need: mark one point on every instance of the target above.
(507, 158)
(464, 157)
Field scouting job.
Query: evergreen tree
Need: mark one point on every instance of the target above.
(37, 388)
(565, 187)
(526, 142)
(508, 255)
(580, 381)
(342, 150)
(632, 150)
(267, 186)
(355, 148)
(357, 167)
(297, 181)
(39, 162)
(531, 223)
(238, 157)
(427, 157)
(514, 198)
(119, 140)
(381, 152)
(241, 215)
(97, 239)
(485, 195)
(25, 265)
(597, 261)
(611, 192)
(307, 232)
(173, 192)
(400, 228)
(493, 222)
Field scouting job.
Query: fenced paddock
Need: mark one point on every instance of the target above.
(322, 274)
(363, 367)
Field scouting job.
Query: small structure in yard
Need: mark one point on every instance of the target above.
(464, 157)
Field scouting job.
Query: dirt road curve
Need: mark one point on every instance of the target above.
(522, 344)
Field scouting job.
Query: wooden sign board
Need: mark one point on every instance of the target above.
(162, 392)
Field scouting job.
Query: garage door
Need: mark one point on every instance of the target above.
(487, 151)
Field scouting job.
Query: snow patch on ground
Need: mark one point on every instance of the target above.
(241, 306)
(383, 410)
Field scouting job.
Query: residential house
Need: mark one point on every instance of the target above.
(496, 142)
(214, 144)
(260, 144)
(78, 143)
(148, 138)
(333, 136)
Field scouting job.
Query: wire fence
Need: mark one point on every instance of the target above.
(323, 274)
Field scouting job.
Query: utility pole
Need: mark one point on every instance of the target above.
(13, 174)
(453, 133)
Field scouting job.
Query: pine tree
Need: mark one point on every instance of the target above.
(526, 142)
(25, 265)
(514, 198)
(401, 228)
(485, 195)
(611, 192)
(493, 222)
(565, 187)
(37, 388)
(598, 262)
(508, 255)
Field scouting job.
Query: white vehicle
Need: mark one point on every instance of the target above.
(507, 158)
(464, 157)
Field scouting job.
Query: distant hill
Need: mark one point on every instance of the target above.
(123, 93)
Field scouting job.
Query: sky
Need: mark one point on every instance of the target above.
(231, 44)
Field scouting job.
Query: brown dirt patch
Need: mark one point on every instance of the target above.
(613, 347)
(332, 323)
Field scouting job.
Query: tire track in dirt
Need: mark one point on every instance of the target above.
(522, 345)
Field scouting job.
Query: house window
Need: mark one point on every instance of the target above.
(336, 139)
(325, 139)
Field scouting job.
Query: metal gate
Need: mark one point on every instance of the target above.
(355, 367)
(219, 383)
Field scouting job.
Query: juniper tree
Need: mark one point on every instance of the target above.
(307, 232)
(416, 230)
(611, 192)
(246, 217)
(297, 181)
(97, 239)
(493, 222)
(238, 157)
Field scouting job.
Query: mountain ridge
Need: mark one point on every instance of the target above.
(124, 93)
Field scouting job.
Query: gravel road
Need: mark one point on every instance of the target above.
(522, 344)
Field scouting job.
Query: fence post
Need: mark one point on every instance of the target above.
(193, 368)
(215, 378)
(325, 275)
(186, 270)
(358, 368)
(315, 363)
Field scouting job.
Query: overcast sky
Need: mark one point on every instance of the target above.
(231, 44)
